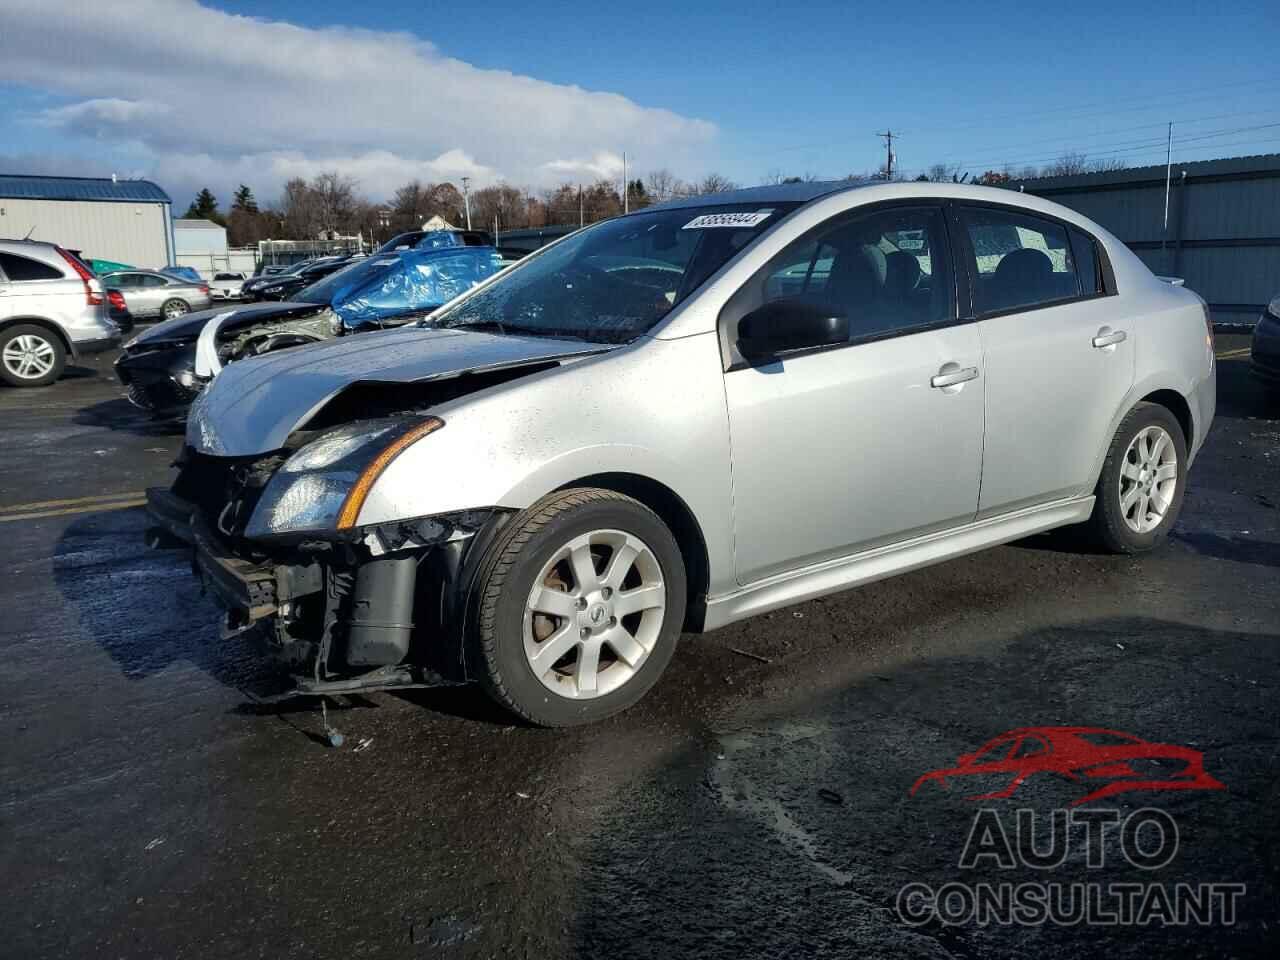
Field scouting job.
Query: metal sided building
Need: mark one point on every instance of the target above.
(1223, 230)
(128, 221)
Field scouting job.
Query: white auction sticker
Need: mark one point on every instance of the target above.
(737, 220)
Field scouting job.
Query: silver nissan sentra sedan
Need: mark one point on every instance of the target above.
(679, 418)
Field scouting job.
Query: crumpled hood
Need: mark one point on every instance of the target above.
(255, 404)
(191, 324)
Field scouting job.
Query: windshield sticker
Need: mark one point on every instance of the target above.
(734, 220)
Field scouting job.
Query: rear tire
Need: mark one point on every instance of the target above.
(174, 308)
(1144, 477)
(580, 603)
(31, 356)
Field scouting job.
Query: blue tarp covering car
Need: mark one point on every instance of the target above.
(391, 285)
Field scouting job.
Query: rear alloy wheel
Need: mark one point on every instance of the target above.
(30, 356)
(581, 604)
(175, 308)
(1143, 478)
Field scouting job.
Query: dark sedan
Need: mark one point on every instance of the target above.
(286, 286)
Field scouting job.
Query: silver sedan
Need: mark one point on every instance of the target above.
(687, 416)
(158, 296)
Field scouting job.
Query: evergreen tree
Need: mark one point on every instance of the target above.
(204, 207)
(244, 200)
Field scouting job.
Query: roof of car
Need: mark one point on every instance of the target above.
(775, 193)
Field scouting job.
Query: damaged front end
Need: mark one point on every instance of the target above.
(344, 607)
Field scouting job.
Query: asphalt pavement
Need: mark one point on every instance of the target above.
(756, 804)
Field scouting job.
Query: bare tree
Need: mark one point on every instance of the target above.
(336, 201)
(661, 185)
(714, 183)
(1068, 164)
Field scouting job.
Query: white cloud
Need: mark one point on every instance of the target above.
(189, 92)
(604, 165)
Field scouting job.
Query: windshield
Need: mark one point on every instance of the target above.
(613, 281)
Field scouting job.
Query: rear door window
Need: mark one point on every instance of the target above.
(1019, 261)
(18, 268)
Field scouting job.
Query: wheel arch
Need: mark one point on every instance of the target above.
(1161, 390)
(1176, 404)
(44, 322)
(680, 520)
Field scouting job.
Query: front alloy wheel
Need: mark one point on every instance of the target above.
(594, 614)
(581, 600)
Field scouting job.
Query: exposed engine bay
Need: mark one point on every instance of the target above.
(345, 608)
(276, 334)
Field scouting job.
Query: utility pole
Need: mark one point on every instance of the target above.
(466, 198)
(625, 186)
(1168, 171)
(579, 205)
(888, 153)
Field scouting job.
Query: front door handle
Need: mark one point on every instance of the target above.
(1109, 339)
(953, 377)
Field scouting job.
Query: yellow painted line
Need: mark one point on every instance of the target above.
(1233, 354)
(93, 508)
(74, 501)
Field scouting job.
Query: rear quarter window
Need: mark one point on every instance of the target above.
(18, 268)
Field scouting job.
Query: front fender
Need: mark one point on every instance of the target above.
(612, 413)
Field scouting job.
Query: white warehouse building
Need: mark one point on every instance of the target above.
(127, 221)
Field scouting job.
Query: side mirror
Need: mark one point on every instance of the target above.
(782, 325)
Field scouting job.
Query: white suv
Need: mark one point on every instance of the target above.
(51, 306)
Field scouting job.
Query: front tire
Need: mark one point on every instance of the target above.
(581, 600)
(30, 356)
(1143, 480)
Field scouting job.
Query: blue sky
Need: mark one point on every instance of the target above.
(742, 89)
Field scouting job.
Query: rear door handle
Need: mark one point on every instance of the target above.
(1110, 339)
(950, 379)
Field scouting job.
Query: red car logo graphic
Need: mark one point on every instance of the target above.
(1109, 761)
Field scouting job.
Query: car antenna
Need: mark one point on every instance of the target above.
(30, 232)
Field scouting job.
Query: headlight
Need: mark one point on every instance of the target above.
(1273, 307)
(323, 486)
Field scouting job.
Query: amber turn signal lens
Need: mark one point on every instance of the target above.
(355, 499)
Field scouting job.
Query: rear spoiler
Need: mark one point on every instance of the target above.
(1174, 281)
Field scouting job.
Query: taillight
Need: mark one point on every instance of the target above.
(204, 289)
(116, 299)
(92, 286)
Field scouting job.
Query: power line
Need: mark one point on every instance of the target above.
(1054, 114)
(1115, 149)
(1181, 121)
